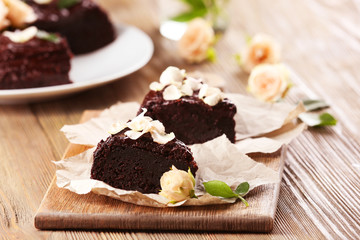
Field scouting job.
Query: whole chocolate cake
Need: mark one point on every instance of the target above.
(138, 164)
(34, 63)
(193, 115)
(85, 25)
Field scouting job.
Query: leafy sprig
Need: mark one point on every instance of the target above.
(187, 16)
(197, 8)
(201, 8)
(221, 189)
(51, 37)
(67, 3)
(312, 105)
(316, 119)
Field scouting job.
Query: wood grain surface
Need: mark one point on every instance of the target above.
(62, 209)
(320, 191)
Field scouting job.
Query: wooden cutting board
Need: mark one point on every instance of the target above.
(62, 209)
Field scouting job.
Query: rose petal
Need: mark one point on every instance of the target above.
(133, 134)
(162, 138)
(171, 93)
(21, 36)
(171, 75)
(156, 86)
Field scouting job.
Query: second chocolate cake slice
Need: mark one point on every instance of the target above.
(194, 111)
(85, 25)
(135, 158)
(33, 58)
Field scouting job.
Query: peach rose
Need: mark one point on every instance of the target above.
(196, 41)
(261, 49)
(177, 185)
(269, 82)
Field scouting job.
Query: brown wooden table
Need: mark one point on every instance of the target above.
(319, 196)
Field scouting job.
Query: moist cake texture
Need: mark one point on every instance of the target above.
(138, 164)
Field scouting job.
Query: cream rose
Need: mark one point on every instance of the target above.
(269, 82)
(261, 49)
(197, 39)
(177, 185)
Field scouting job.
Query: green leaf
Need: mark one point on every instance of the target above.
(219, 189)
(67, 3)
(312, 105)
(211, 54)
(327, 120)
(195, 4)
(238, 59)
(51, 37)
(318, 120)
(242, 189)
(248, 39)
(187, 16)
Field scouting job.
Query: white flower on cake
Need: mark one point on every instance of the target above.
(156, 86)
(171, 92)
(19, 13)
(269, 82)
(177, 185)
(260, 49)
(210, 95)
(21, 36)
(172, 75)
(196, 41)
(190, 85)
(142, 124)
(43, 1)
(177, 85)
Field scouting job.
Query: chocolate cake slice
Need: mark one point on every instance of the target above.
(192, 120)
(138, 164)
(34, 63)
(192, 115)
(85, 25)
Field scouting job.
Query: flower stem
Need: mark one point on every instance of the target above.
(244, 201)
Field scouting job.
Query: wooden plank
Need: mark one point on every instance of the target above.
(62, 209)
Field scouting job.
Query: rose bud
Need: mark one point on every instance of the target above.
(196, 41)
(260, 49)
(269, 82)
(177, 185)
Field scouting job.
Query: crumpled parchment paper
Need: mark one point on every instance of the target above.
(217, 159)
(260, 127)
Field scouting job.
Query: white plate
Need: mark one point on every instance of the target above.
(130, 51)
